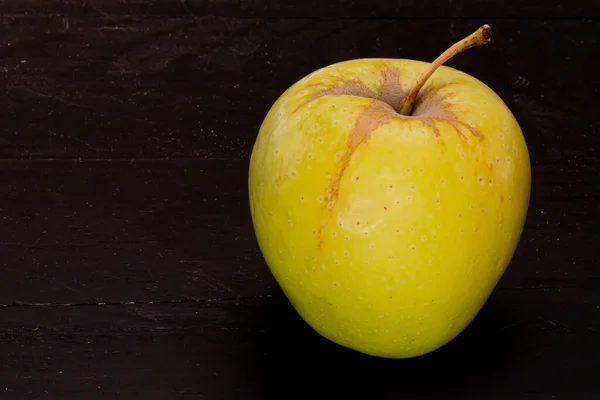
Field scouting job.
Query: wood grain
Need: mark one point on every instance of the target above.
(146, 87)
(399, 9)
(128, 264)
(101, 231)
(81, 232)
(259, 349)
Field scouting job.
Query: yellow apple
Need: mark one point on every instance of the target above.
(387, 198)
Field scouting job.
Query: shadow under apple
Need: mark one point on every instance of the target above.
(296, 362)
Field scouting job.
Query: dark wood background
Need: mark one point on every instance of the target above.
(128, 264)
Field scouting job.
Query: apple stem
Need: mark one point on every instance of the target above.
(478, 38)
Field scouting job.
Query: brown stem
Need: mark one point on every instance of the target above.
(478, 38)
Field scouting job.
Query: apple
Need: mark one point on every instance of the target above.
(387, 197)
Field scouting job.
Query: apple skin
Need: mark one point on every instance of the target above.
(388, 233)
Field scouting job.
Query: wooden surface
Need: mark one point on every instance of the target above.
(128, 264)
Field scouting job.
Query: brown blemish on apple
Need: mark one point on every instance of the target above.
(390, 91)
(346, 88)
(430, 107)
(377, 114)
(372, 117)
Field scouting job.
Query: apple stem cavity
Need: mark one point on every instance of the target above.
(478, 38)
